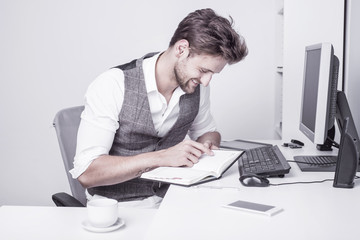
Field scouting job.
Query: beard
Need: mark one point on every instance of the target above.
(182, 80)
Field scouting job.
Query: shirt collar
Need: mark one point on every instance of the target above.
(149, 73)
(149, 65)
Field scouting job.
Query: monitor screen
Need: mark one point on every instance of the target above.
(311, 88)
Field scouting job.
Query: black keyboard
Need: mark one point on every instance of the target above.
(264, 161)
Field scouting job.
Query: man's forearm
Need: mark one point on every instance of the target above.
(108, 170)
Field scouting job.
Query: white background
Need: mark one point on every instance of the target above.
(51, 50)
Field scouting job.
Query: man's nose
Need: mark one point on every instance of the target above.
(205, 79)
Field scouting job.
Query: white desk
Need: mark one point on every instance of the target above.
(26, 222)
(311, 211)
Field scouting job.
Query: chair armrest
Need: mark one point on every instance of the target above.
(65, 200)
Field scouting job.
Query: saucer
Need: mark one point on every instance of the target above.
(86, 225)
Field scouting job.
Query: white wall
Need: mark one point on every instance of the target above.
(306, 22)
(51, 50)
(352, 60)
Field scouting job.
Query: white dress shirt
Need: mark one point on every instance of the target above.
(103, 102)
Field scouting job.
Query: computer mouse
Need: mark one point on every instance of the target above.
(253, 180)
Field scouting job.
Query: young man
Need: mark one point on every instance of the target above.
(137, 115)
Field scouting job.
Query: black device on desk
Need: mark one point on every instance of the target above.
(260, 163)
(240, 144)
(322, 103)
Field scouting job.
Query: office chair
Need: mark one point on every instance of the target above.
(66, 123)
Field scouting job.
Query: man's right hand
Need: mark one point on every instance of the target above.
(185, 153)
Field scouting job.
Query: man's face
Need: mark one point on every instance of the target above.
(197, 69)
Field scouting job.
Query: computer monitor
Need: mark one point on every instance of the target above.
(322, 103)
(318, 108)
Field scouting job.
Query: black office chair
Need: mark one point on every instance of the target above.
(66, 123)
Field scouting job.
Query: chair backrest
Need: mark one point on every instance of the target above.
(66, 123)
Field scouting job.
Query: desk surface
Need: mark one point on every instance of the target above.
(310, 211)
(27, 222)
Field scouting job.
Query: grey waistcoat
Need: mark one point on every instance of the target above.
(137, 134)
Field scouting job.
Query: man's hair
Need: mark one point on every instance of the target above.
(209, 33)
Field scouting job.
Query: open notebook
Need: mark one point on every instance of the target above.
(208, 168)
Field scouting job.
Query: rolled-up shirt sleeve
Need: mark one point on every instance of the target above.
(204, 121)
(99, 120)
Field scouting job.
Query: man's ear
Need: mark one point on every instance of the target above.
(182, 48)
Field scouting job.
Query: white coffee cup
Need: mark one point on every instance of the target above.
(102, 213)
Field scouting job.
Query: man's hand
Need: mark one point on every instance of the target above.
(211, 140)
(186, 153)
(210, 145)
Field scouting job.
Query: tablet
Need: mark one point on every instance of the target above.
(243, 145)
